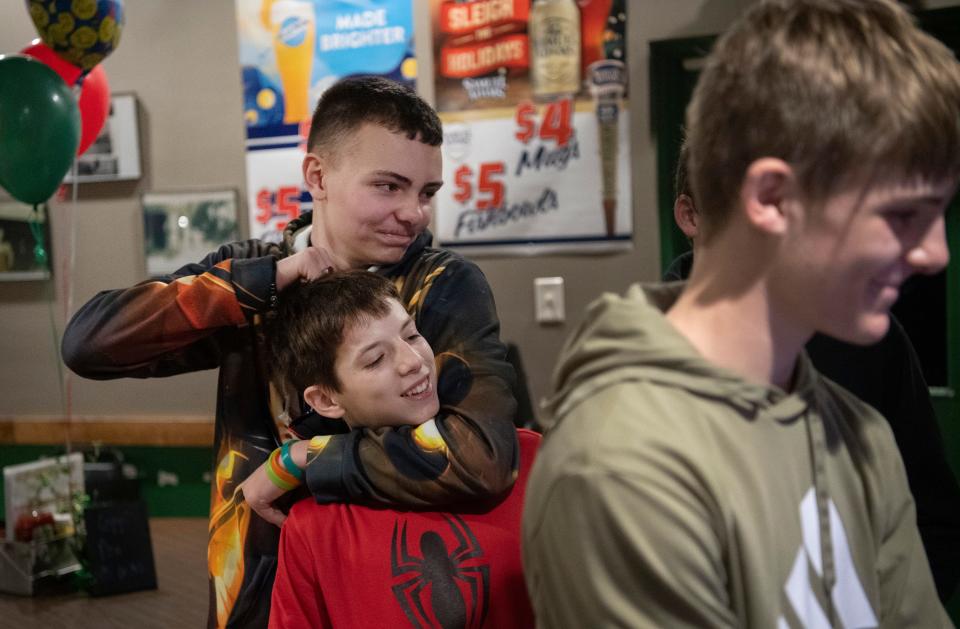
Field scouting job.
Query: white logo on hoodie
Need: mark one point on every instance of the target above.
(848, 596)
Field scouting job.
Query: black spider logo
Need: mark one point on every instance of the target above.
(443, 572)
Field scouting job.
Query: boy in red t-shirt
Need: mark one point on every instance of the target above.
(348, 344)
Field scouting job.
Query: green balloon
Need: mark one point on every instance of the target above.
(39, 128)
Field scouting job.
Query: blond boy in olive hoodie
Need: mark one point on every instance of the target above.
(697, 470)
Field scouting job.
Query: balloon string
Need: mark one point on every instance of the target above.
(39, 242)
(37, 224)
(59, 364)
(67, 275)
(67, 266)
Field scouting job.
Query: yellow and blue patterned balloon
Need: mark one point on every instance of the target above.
(82, 32)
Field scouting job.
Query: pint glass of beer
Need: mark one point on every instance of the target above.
(294, 34)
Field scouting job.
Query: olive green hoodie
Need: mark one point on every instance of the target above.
(670, 492)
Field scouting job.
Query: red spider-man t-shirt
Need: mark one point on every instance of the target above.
(351, 566)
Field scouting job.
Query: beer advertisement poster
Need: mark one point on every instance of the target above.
(290, 52)
(533, 98)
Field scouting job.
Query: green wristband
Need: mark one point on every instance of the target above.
(276, 480)
(287, 459)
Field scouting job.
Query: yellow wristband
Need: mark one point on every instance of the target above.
(278, 482)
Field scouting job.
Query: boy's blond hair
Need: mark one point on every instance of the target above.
(844, 91)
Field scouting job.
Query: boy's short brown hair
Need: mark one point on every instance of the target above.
(305, 336)
(844, 91)
(352, 102)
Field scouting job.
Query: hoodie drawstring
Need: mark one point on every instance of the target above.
(817, 439)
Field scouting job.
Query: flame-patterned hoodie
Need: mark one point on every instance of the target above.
(207, 315)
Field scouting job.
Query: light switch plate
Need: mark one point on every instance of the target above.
(548, 299)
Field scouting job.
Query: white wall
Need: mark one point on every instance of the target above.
(180, 58)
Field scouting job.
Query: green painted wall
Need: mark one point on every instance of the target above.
(189, 496)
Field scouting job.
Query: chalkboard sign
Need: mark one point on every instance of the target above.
(118, 548)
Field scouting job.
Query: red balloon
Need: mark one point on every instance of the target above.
(67, 71)
(94, 100)
(94, 104)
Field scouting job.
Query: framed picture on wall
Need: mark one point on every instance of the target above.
(115, 154)
(183, 227)
(20, 229)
